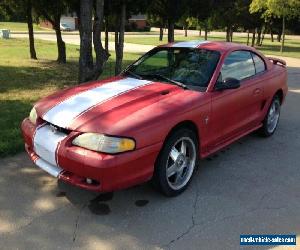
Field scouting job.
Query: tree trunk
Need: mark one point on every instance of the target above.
(85, 30)
(283, 34)
(253, 38)
(262, 36)
(101, 53)
(262, 39)
(279, 37)
(119, 40)
(271, 32)
(205, 30)
(185, 31)
(231, 33)
(272, 35)
(161, 33)
(248, 37)
(200, 32)
(227, 34)
(30, 30)
(61, 46)
(88, 34)
(170, 31)
(258, 36)
(106, 35)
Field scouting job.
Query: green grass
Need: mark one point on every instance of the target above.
(13, 26)
(292, 46)
(24, 81)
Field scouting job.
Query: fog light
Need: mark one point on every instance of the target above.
(89, 181)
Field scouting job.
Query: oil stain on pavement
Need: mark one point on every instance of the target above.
(96, 205)
(99, 208)
(141, 203)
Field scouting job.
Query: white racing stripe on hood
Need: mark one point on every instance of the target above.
(189, 44)
(64, 113)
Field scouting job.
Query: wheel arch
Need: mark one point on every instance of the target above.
(185, 124)
(279, 92)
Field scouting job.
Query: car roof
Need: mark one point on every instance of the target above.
(212, 45)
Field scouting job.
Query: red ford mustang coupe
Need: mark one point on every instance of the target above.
(176, 103)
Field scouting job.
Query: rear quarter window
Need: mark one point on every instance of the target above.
(258, 63)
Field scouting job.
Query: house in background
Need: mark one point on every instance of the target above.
(140, 21)
(70, 20)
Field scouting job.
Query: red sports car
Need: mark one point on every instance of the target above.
(178, 102)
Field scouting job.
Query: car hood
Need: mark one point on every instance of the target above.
(111, 106)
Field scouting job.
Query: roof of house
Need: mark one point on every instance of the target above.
(138, 17)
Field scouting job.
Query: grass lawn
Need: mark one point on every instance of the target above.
(13, 26)
(24, 81)
(292, 47)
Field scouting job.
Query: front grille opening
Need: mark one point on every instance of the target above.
(59, 129)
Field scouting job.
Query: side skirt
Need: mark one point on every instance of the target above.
(228, 142)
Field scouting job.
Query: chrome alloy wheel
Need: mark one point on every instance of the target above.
(273, 116)
(181, 163)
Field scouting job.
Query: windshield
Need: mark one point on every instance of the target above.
(191, 67)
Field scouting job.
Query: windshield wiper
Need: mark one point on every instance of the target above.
(180, 84)
(133, 74)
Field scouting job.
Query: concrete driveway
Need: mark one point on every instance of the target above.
(251, 187)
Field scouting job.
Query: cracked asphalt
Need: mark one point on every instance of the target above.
(252, 187)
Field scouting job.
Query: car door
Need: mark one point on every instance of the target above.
(235, 111)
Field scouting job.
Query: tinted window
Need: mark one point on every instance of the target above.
(193, 67)
(238, 65)
(259, 63)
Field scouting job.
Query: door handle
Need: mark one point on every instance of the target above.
(256, 92)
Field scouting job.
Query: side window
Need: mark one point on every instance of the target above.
(238, 65)
(259, 63)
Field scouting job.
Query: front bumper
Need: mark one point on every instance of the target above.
(75, 165)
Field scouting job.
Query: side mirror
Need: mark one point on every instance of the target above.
(228, 83)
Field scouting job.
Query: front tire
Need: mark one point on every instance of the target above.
(176, 162)
(272, 118)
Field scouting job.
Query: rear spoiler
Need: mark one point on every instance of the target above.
(277, 61)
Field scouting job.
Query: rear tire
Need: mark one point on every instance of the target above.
(272, 118)
(176, 162)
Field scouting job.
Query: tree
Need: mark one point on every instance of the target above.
(252, 22)
(118, 13)
(14, 10)
(119, 38)
(156, 20)
(175, 9)
(52, 11)
(186, 21)
(169, 11)
(30, 30)
(91, 33)
(283, 9)
(202, 11)
(224, 15)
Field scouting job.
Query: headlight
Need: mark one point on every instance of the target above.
(103, 143)
(33, 116)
